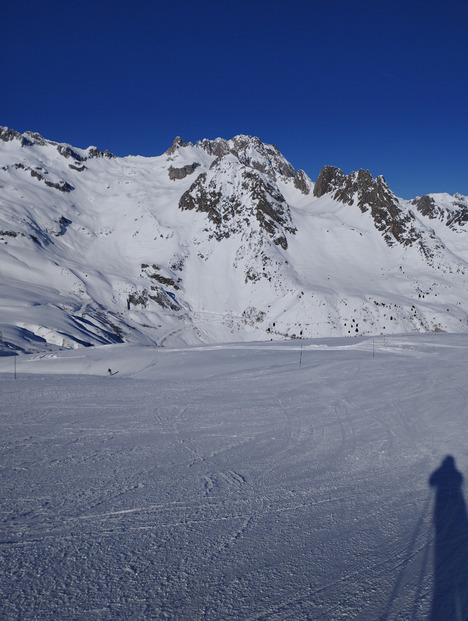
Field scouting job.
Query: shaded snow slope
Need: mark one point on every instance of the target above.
(216, 241)
(272, 481)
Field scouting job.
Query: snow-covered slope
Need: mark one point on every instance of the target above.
(215, 242)
(279, 481)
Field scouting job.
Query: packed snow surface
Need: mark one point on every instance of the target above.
(272, 481)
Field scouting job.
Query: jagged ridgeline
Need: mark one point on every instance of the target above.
(217, 241)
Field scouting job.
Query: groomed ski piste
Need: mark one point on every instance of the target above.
(304, 479)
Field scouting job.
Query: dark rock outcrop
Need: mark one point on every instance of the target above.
(250, 151)
(369, 194)
(181, 173)
(455, 217)
(62, 186)
(265, 158)
(7, 135)
(158, 295)
(329, 180)
(426, 206)
(253, 196)
(95, 152)
(37, 139)
(301, 182)
(64, 223)
(178, 142)
(67, 152)
(218, 147)
(458, 216)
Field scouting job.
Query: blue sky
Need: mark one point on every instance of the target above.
(355, 84)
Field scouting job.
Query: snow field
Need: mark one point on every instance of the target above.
(228, 482)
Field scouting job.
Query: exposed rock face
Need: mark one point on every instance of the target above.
(95, 152)
(457, 215)
(40, 174)
(359, 187)
(29, 139)
(248, 150)
(217, 147)
(301, 182)
(248, 197)
(67, 152)
(36, 138)
(158, 295)
(154, 273)
(131, 253)
(329, 180)
(181, 173)
(460, 215)
(203, 196)
(64, 223)
(426, 205)
(178, 142)
(161, 289)
(62, 186)
(252, 152)
(7, 135)
(396, 224)
(240, 188)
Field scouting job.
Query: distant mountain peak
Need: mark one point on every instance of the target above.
(8, 135)
(176, 144)
(238, 197)
(369, 194)
(217, 240)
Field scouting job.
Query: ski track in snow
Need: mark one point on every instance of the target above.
(228, 482)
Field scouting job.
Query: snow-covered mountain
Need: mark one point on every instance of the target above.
(216, 241)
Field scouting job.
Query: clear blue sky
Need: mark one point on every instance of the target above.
(374, 84)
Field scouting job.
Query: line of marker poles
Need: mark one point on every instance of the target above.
(300, 354)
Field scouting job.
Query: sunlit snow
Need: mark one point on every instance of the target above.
(269, 481)
(90, 265)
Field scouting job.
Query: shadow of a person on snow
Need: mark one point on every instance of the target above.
(450, 599)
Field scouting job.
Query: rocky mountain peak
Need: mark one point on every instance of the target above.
(369, 194)
(223, 239)
(240, 187)
(329, 180)
(176, 144)
(8, 135)
(251, 152)
(36, 138)
(218, 147)
(95, 152)
(358, 187)
(266, 158)
(32, 139)
(235, 197)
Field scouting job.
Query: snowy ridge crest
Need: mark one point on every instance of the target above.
(217, 241)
